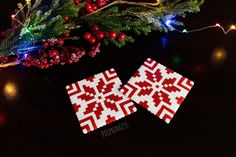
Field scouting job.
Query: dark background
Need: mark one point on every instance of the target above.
(40, 121)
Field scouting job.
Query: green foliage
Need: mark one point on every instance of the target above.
(142, 20)
(43, 25)
(38, 23)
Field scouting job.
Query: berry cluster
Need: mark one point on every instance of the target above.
(48, 58)
(96, 35)
(58, 42)
(56, 52)
(95, 50)
(8, 59)
(93, 5)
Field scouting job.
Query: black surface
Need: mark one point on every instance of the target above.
(40, 121)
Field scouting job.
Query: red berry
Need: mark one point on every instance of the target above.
(87, 35)
(88, 1)
(52, 42)
(60, 42)
(66, 34)
(45, 44)
(89, 8)
(106, 34)
(26, 64)
(68, 29)
(3, 34)
(95, 7)
(76, 2)
(82, 53)
(38, 62)
(53, 53)
(113, 35)
(121, 36)
(46, 66)
(100, 35)
(92, 54)
(92, 40)
(101, 3)
(44, 61)
(95, 28)
(70, 61)
(57, 61)
(66, 19)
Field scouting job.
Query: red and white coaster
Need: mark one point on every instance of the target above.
(97, 100)
(158, 89)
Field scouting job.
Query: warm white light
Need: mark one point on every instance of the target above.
(218, 25)
(233, 27)
(219, 55)
(10, 90)
(13, 16)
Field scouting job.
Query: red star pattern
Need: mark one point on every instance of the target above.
(98, 102)
(158, 89)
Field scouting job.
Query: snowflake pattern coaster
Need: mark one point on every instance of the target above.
(158, 89)
(97, 100)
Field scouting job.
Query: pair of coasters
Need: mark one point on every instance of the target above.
(101, 99)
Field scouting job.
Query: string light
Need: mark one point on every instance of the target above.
(233, 27)
(168, 22)
(217, 25)
(13, 16)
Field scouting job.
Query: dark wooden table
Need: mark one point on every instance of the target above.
(40, 122)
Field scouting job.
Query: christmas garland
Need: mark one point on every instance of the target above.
(66, 30)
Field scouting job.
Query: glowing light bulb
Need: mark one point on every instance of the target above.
(218, 25)
(25, 55)
(233, 27)
(185, 31)
(13, 16)
(168, 22)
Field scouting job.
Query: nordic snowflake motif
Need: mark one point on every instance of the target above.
(98, 102)
(158, 89)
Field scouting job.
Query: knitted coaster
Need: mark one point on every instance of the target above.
(97, 100)
(158, 89)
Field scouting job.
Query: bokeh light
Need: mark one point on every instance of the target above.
(10, 90)
(2, 119)
(219, 55)
(176, 60)
(198, 69)
(164, 42)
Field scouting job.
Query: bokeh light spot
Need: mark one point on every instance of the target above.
(176, 60)
(10, 90)
(164, 42)
(219, 55)
(2, 119)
